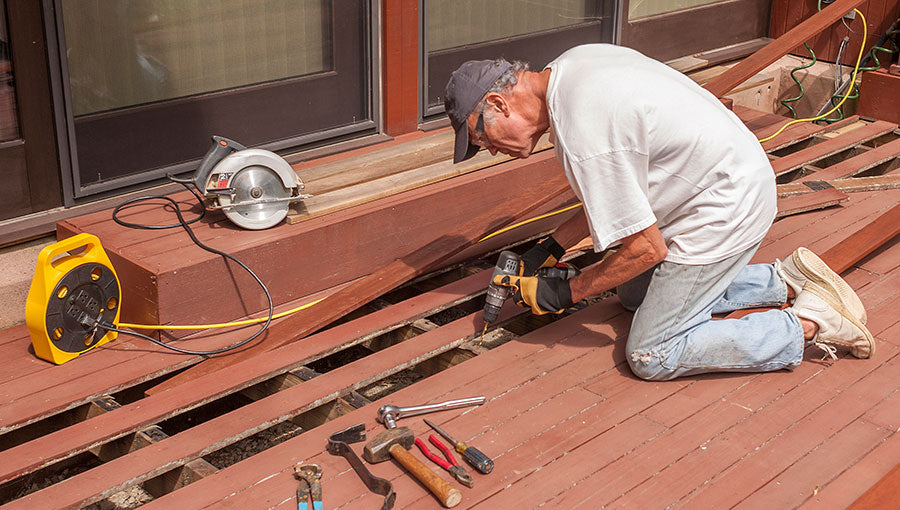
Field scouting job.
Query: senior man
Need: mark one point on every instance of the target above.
(672, 176)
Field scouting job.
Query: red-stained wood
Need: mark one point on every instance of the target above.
(857, 164)
(420, 261)
(562, 351)
(230, 427)
(810, 201)
(702, 445)
(831, 146)
(154, 409)
(807, 433)
(164, 276)
(755, 63)
(792, 486)
(842, 492)
(881, 99)
(400, 57)
(795, 132)
(826, 45)
(864, 241)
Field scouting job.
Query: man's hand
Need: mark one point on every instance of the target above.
(543, 294)
(546, 253)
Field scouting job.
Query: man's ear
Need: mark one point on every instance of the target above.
(498, 102)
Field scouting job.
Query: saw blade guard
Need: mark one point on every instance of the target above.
(254, 188)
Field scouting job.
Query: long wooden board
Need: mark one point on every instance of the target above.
(780, 47)
(226, 429)
(832, 146)
(164, 276)
(81, 436)
(810, 201)
(852, 185)
(368, 288)
(864, 241)
(857, 164)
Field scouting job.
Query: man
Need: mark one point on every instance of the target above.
(675, 178)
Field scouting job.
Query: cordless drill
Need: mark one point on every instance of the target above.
(508, 264)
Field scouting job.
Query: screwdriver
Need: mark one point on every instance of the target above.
(473, 456)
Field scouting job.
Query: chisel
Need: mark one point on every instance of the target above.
(473, 456)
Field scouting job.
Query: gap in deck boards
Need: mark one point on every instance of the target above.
(278, 433)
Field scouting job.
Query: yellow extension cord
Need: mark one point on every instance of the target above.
(862, 47)
(507, 229)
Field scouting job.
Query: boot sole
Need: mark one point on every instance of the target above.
(841, 309)
(817, 271)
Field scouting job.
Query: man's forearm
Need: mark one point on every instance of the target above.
(637, 254)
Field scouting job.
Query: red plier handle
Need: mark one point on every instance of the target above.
(452, 466)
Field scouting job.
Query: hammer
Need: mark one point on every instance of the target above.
(394, 443)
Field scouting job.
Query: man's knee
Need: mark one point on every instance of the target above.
(648, 366)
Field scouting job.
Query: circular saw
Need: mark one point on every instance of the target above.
(253, 187)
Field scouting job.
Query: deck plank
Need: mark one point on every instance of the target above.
(103, 428)
(856, 164)
(230, 427)
(844, 490)
(476, 376)
(829, 459)
(831, 146)
(760, 466)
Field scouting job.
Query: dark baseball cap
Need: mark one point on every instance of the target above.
(466, 87)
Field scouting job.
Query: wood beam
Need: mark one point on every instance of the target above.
(778, 48)
(420, 261)
(864, 241)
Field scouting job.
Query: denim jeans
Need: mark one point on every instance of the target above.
(673, 334)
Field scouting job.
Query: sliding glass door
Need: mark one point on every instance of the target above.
(149, 81)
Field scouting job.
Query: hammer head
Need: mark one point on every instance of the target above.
(377, 450)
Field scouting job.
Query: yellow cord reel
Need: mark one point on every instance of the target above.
(74, 287)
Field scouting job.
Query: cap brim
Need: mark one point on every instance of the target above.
(463, 150)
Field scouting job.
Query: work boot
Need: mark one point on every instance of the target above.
(803, 265)
(837, 325)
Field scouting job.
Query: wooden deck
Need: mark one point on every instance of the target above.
(566, 422)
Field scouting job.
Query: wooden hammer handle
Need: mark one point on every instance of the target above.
(448, 495)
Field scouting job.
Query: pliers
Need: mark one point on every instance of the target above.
(452, 466)
(310, 486)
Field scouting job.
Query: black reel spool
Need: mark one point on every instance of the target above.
(85, 295)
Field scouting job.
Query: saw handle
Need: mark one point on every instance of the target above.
(221, 147)
(448, 495)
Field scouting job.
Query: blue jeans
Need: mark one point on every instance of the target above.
(672, 333)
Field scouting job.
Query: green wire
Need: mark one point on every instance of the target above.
(784, 102)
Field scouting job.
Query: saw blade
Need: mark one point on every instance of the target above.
(252, 184)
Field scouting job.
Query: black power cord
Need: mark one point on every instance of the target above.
(186, 226)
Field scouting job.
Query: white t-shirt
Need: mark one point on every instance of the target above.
(641, 143)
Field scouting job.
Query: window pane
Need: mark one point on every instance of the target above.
(130, 52)
(9, 124)
(453, 23)
(643, 8)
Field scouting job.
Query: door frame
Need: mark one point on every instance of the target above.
(37, 141)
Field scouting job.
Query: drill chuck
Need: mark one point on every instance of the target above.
(507, 264)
